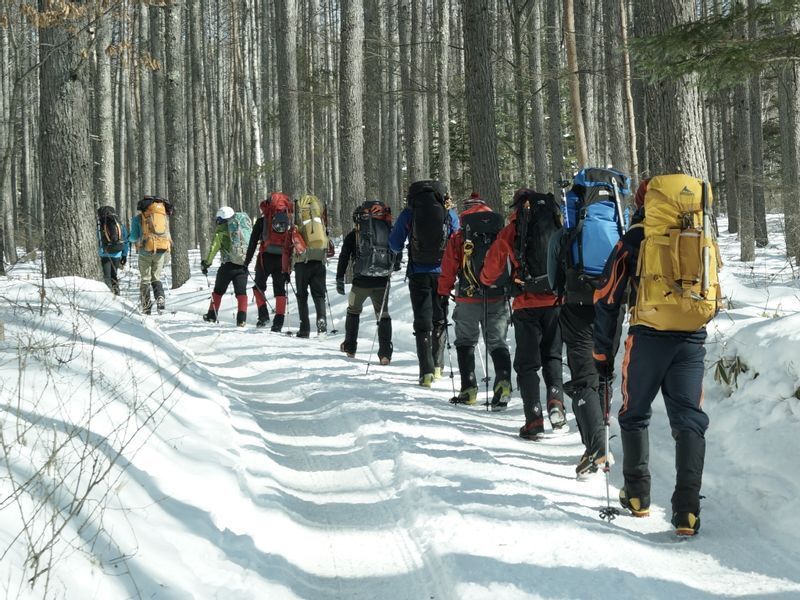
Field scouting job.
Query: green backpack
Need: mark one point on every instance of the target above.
(239, 230)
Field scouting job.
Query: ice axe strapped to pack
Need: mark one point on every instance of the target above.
(479, 229)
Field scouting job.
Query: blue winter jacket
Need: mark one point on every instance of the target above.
(121, 253)
(401, 231)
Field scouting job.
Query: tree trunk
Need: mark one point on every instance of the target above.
(729, 149)
(615, 87)
(744, 173)
(581, 150)
(390, 188)
(351, 92)
(789, 112)
(176, 143)
(198, 122)
(480, 102)
(538, 131)
(146, 115)
(70, 244)
(584, 25)
(553, 53)
(373, 92)
(291, 174)
(104, 116)
(443, 88)
(757, 147)
(412, 105)
(157, 52)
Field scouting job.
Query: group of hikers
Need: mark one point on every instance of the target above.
(569, 265)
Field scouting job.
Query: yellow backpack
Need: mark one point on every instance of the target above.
(310, 219)
(679, 258)
(155, 226)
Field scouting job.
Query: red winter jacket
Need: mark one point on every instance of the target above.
(496, 264)
(451, 261)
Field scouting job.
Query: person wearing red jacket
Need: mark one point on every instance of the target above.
(477, 306)
(536, 330)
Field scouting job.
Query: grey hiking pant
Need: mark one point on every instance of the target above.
(468, 317)
(358, 295)
(151, 266)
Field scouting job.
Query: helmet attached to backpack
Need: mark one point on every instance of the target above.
(223, 214)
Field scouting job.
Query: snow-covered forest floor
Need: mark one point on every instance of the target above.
(164, 457)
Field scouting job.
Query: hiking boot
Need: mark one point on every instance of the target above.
(322, 326)
(467, 396)
(115, 288)
(639, 507)
(686, 523)
(502, 394)
(161, 303)
(532, 430)
(590, 462)
(240, 323)
(343, 348)
(385, 360)
(302, 334)
(555, 410)
(426, 380)
(437, 373)
(209, 317)
(277, 323)
(241, 318)
(261, 323)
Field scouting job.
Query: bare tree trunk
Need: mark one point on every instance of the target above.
(744, 173)
(70, 244)
(104, 116)
(519, 14)
(7, 234)
(351, 92)
(581, 150)
(729, 148)
(198, 122)
(157, 52)
(390, 188)
(538, 132)
(789, 107)
(584, 46)
(615, 90)
(291, 174)
(757, 147)
(146, 183)
(412, 104)
(553, 53)
(480, 102)
(443, 88)
(628, 87)
(176, 143)
(373, 93)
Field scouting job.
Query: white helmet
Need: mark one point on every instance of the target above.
(224, 213)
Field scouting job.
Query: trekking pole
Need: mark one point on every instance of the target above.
(450, 358)
(377, 325)
(607, 512)
(263, 292)
(486, 348)
(330, 310)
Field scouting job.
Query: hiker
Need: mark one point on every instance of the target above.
(476, 305)
(112, 245)
(593, 224)
(151, 238)
(309, 247)
(668, 264)
(269, 234)
(427, 222)
(231, 239)
(367, 248)
(521, 248)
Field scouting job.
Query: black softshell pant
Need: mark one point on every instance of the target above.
(538, 347)
(269, 265)
(110, 272)
(230, 273)
(310, 276)
(430, 319)
(674, 366)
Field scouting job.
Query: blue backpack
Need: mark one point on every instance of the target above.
(594, 223)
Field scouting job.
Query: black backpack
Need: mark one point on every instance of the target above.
(429, 220)
(538, 218)
(110, 230)
(373, 223)
(479, 229)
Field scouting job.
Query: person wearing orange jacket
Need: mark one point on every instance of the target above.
(477, 306)
(518, 258)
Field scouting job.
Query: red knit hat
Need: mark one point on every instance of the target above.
(638, 199)
(473, 200)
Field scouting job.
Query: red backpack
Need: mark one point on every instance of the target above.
(278, 212)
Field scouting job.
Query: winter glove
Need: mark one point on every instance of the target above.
(123, 261)
(398, 261)
(444, 302)
(286, 277)
(204, 267)
(340, 287)
(605, 371)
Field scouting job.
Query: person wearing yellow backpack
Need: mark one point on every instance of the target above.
(669, 260)
(150, 235)
(310, 247)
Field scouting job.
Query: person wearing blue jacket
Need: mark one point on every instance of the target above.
(423, 270)
(112, 246)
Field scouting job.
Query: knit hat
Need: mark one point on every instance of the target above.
(473, 201)
(638, 199)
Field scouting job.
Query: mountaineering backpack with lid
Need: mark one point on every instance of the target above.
(679, 261)
(278, 212)
(479, 229)
(155, 212)
(594, 223)
(110, 230)
(239, 230)
(538, 218)
(311, 219)
(373, 223)
(429, 220)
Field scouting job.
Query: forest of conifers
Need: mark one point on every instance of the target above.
(219, 102)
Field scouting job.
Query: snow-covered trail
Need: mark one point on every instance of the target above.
(357, 486)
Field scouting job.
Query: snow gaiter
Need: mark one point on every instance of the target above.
(528, 384)
(213, 306)
(144, 297)
(635, 462)
(501, 359)
(351, 333)
(302, 314)
(424, 354)
(438, 343)
(385, 346)
(241, 305)
(158, 290)
(690, 454)
(466, 366)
